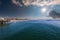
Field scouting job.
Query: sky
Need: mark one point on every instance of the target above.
(28, 8)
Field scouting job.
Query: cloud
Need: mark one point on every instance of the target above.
(54, 14)
(16, 2)
(36, 2)
(41, 3)
(54, 2)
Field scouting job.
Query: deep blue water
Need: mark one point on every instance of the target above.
(31, 30)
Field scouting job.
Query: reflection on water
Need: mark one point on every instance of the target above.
(3, 25)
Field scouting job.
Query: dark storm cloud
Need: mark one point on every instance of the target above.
(54, 14)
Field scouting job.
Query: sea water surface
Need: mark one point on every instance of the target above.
(31, 30)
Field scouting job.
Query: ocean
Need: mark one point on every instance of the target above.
(31, 30)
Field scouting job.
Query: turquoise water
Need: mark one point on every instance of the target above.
(31, 30)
